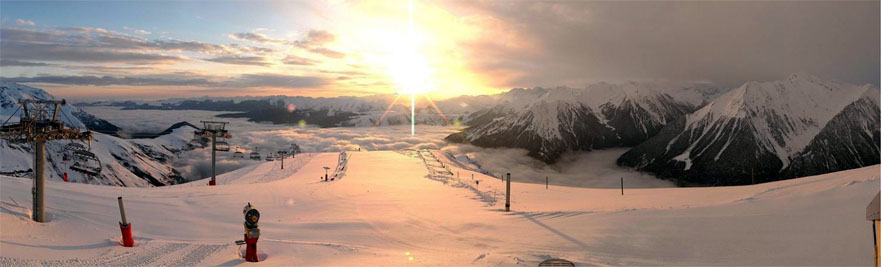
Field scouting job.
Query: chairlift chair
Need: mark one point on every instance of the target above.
(86, 162)
(269, 157)
(255, 155)
(221, 146)
(196, 142)
(238, 154)
(69, 149)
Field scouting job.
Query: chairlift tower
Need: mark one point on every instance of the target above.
(38, 124)
(213, 130)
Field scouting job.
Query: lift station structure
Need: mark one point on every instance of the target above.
(213, 130)
(38, 124)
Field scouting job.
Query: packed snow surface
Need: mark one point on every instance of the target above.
(408, 207)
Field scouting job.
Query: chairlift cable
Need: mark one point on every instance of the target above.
(10, 116)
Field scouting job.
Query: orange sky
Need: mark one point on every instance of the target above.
(154, 50)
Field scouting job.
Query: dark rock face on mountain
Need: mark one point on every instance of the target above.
(849, 141)
(566, 119)
(767, 131)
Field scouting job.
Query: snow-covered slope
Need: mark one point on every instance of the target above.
(138, 163)
(551, 122)
(773, 130)
(390, 211)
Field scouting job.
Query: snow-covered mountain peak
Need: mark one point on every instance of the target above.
(11, 93)
(786, 114)
(795, 126)
(548, 122)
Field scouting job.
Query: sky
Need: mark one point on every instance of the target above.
(163, 49)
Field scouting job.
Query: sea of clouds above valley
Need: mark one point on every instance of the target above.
(266, 138)
(585, 169)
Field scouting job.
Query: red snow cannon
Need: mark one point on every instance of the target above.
(125, 227)
(252, 232)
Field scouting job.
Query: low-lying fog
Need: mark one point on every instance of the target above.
(586, 169)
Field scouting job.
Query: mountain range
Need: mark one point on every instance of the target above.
(124, 162)
(764, 131)
(692, 133)
(550, 122)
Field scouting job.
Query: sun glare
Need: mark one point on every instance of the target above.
(411, 73)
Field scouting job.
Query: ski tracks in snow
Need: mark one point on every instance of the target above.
(149, 253)
(441, 172)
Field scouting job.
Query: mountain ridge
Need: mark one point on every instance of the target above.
(770, 124)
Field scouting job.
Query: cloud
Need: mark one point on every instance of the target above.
(252, 49)
(178, 45)
(295, 60)
(314, 41)
(70, 47)
(241, 60)
(179, 79)
(595, 169)
(264, 138)
(91, 45)
(10, 62)
(257, 38)
(591, 169)
(105, 80)
(138, 31)
(327, 52)
(196, 164)
(85, 44)
(278, 80)
(549, 43)
(25, 22)
(57, 52)
(317, 38)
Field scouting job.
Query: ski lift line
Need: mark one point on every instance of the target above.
(10, 116)
(68, 119)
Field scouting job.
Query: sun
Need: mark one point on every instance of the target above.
(412, 75)
(410, 72)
